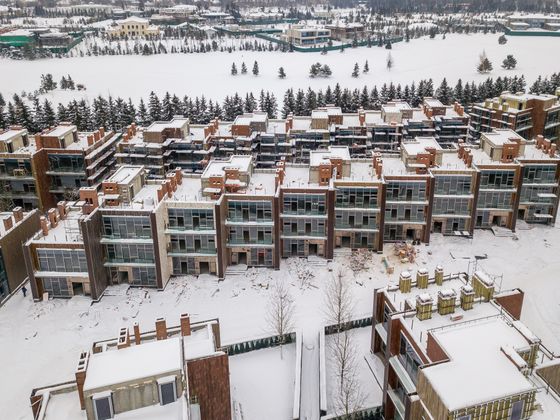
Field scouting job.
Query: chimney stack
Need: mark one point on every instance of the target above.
(446, 301)
(44, 226)
(185, 325)
(51, 214)
(61, 206)
(81, 372)
(124, 338)
(405, 282)
(136, 333)
(18, 214)
(8, 222)
(90, 140)
(439, 275)
(422, 278)
(553, 150)
(161, 329)
(467, 297)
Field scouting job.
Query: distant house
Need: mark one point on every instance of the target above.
(132, 27)
(306, 35)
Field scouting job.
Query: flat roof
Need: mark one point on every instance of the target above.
(433, 102)
(317, 157)
(10, 134)
(159, 126)
(477, 363)
(419, 145)
(217, 167)
(125, 174)
(60, 131)
(499, 137)
(114, 367)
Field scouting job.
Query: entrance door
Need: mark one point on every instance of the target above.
(410, 234)
(364, 241)
(438, 227)
(346, 241)
(77, 289)
(123, 277)
(204, 267)
(294, 249)
(241, 258)
(312, 249)
(497, 220)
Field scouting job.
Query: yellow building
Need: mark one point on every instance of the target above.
(133, 27)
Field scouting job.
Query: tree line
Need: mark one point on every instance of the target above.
(116, 113)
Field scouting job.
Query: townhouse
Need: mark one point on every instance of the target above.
(527, 114)
(435, 335)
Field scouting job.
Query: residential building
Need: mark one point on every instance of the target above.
(434, 332)
(346, 31)
(305, 36)
(177, 372)
(76, 159)
(16, 228)
(527, 114)
(133, 27)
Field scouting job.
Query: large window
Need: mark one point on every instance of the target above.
(453, 184)
(409, 359)
(56, 286)
(191, 219)
(167, 392)
(356, 197)
(304, 204)
(62, 260)
(406, 190)
(103, 406)
(250, 211)
(127, 227)
(130, 253)
(144, 276)
(496, 179)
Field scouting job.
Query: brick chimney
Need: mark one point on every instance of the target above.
(161, 191)
(61, 206)
(81, 372)
(540, 141)
(185, 325)
(89, 196)
(96, 136)
(161, 329)
(136, 328)
(124, 338)
(172, 180)
(44, 226)
(101, 132)
(18, 214)
(178, 176)
(8, 222)
(169, 188)
(362, 116)
(90, 139)
(51, 214)
(553, 150)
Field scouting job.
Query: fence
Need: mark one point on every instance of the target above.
(372, 413)
(356, 323)
(259, 343)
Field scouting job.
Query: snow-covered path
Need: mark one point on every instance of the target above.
(310, 375)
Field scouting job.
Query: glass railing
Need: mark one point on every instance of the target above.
(129, 261)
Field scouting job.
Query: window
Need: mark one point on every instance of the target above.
(409, 359)
(467, 417)
(167, 391)
(103, 406)
(517, 410)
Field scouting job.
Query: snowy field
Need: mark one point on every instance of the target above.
(40, 343)
(209, 73)
(262, 383)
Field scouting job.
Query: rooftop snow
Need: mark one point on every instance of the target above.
(60, 131)
(10, 134)
(126, 174)
(419, 145)
(477, 363)
(317, 157)
(132, 363)
(217, 167)
(200, 343)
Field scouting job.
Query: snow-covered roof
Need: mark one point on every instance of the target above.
(217, 167)
(477, 363)
(113, 367)
(125, 174)
(419, 145)
(317, 157)
(60, 131)
(11, 133)
(134, 19)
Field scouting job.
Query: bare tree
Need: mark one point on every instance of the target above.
(281, 311)
(349, 395)
(339, 301)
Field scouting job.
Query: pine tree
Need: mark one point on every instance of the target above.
(3, 122)
(509, 62)
(502, 40)
(281, 73)
(444, 92)
(250, 103)
(233, 69)
(310, 101)
(356, 71)
(154, 107)
(167, 110)
(143, 117)
(484, 65)
(299, 107)
(255, 68)
(326, 70)
(289, 103)
(366, 67)
(243, 68)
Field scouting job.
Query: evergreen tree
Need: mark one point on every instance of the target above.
(390, 62)
(2, 101)
(458, 92)
(143, 117)
(233, 69)
(281, 73)
(289, 103)
(444, 92)
(243, 68)
(250, 103)
(326, 70)
(310, 101)
(509, 62)
(366, 67)
(299, 107)
(255, 68)
(502, 40)
(3, 122)
(484, 66)
(154, 107)
(356, 71)
(167, 109)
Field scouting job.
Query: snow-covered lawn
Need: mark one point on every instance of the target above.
(365, 369)
(209, 73)
(40, 342)
(262, 383)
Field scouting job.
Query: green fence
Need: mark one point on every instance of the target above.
(360, 43)
(259, 343)
(356, 323)
(373, 413)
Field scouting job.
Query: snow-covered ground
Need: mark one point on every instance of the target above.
(368, 375)
(40, 342)
(262, 383)
(209, 73)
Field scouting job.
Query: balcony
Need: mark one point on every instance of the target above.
(115, 262)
